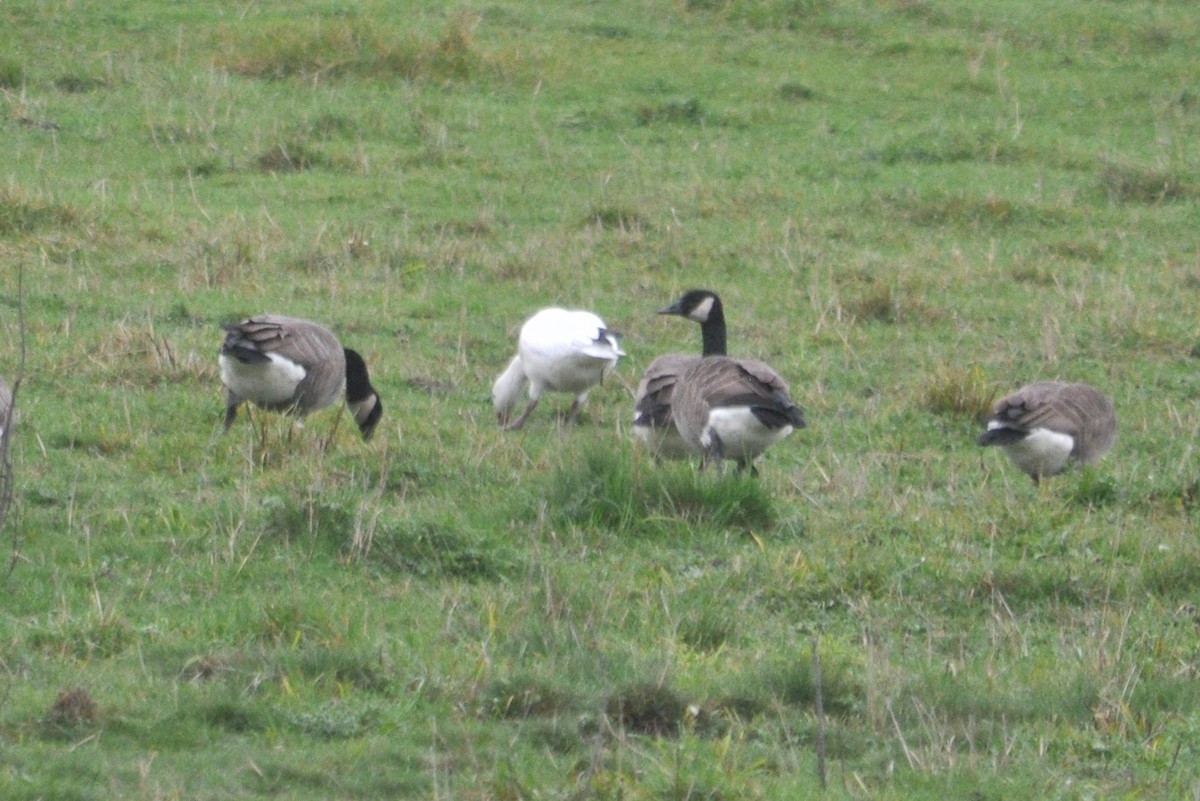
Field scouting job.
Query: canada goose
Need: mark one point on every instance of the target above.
(296, 366)
(727, 408)
(653, 422)
(559, 350)
(1045, 425)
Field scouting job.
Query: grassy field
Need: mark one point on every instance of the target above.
(909, 206)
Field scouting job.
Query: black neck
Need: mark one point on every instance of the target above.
(713, 331)
(358, 383)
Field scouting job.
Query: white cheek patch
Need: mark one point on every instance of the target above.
(701, 312)
(362, 410)
(263, 382)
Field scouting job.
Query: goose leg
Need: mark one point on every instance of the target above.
(573, 413)
(262, 432)
(333, 431)
(712, 452)
(231, 406)
(520, 421)
(292, 426)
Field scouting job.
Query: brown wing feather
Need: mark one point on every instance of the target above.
(715, 380)
(308, 344)
(1033, 406)
(763, 373)
(652, 401)
(1097, 430)
(302, 341)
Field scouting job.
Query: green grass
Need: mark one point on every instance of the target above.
(908, 208)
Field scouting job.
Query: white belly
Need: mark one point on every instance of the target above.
(1043, 452)
(742, 435)
(264, 383)
(575, 374)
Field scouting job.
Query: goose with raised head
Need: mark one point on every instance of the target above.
(726, 408)
(559, 350)
(295, 366)
(1047, 425)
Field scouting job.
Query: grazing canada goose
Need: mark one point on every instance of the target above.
(295, 366)
(1045, 425)
(558, 350)
(727, 408)
(653, 422)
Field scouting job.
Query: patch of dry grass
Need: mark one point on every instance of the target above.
(969, 208)
(290, 157)
(959, 391)
(328, 50)
(24, 212)
(1131, 183)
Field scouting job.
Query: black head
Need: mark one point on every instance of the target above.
(361, 397)
(700, 305)
(703, 306)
